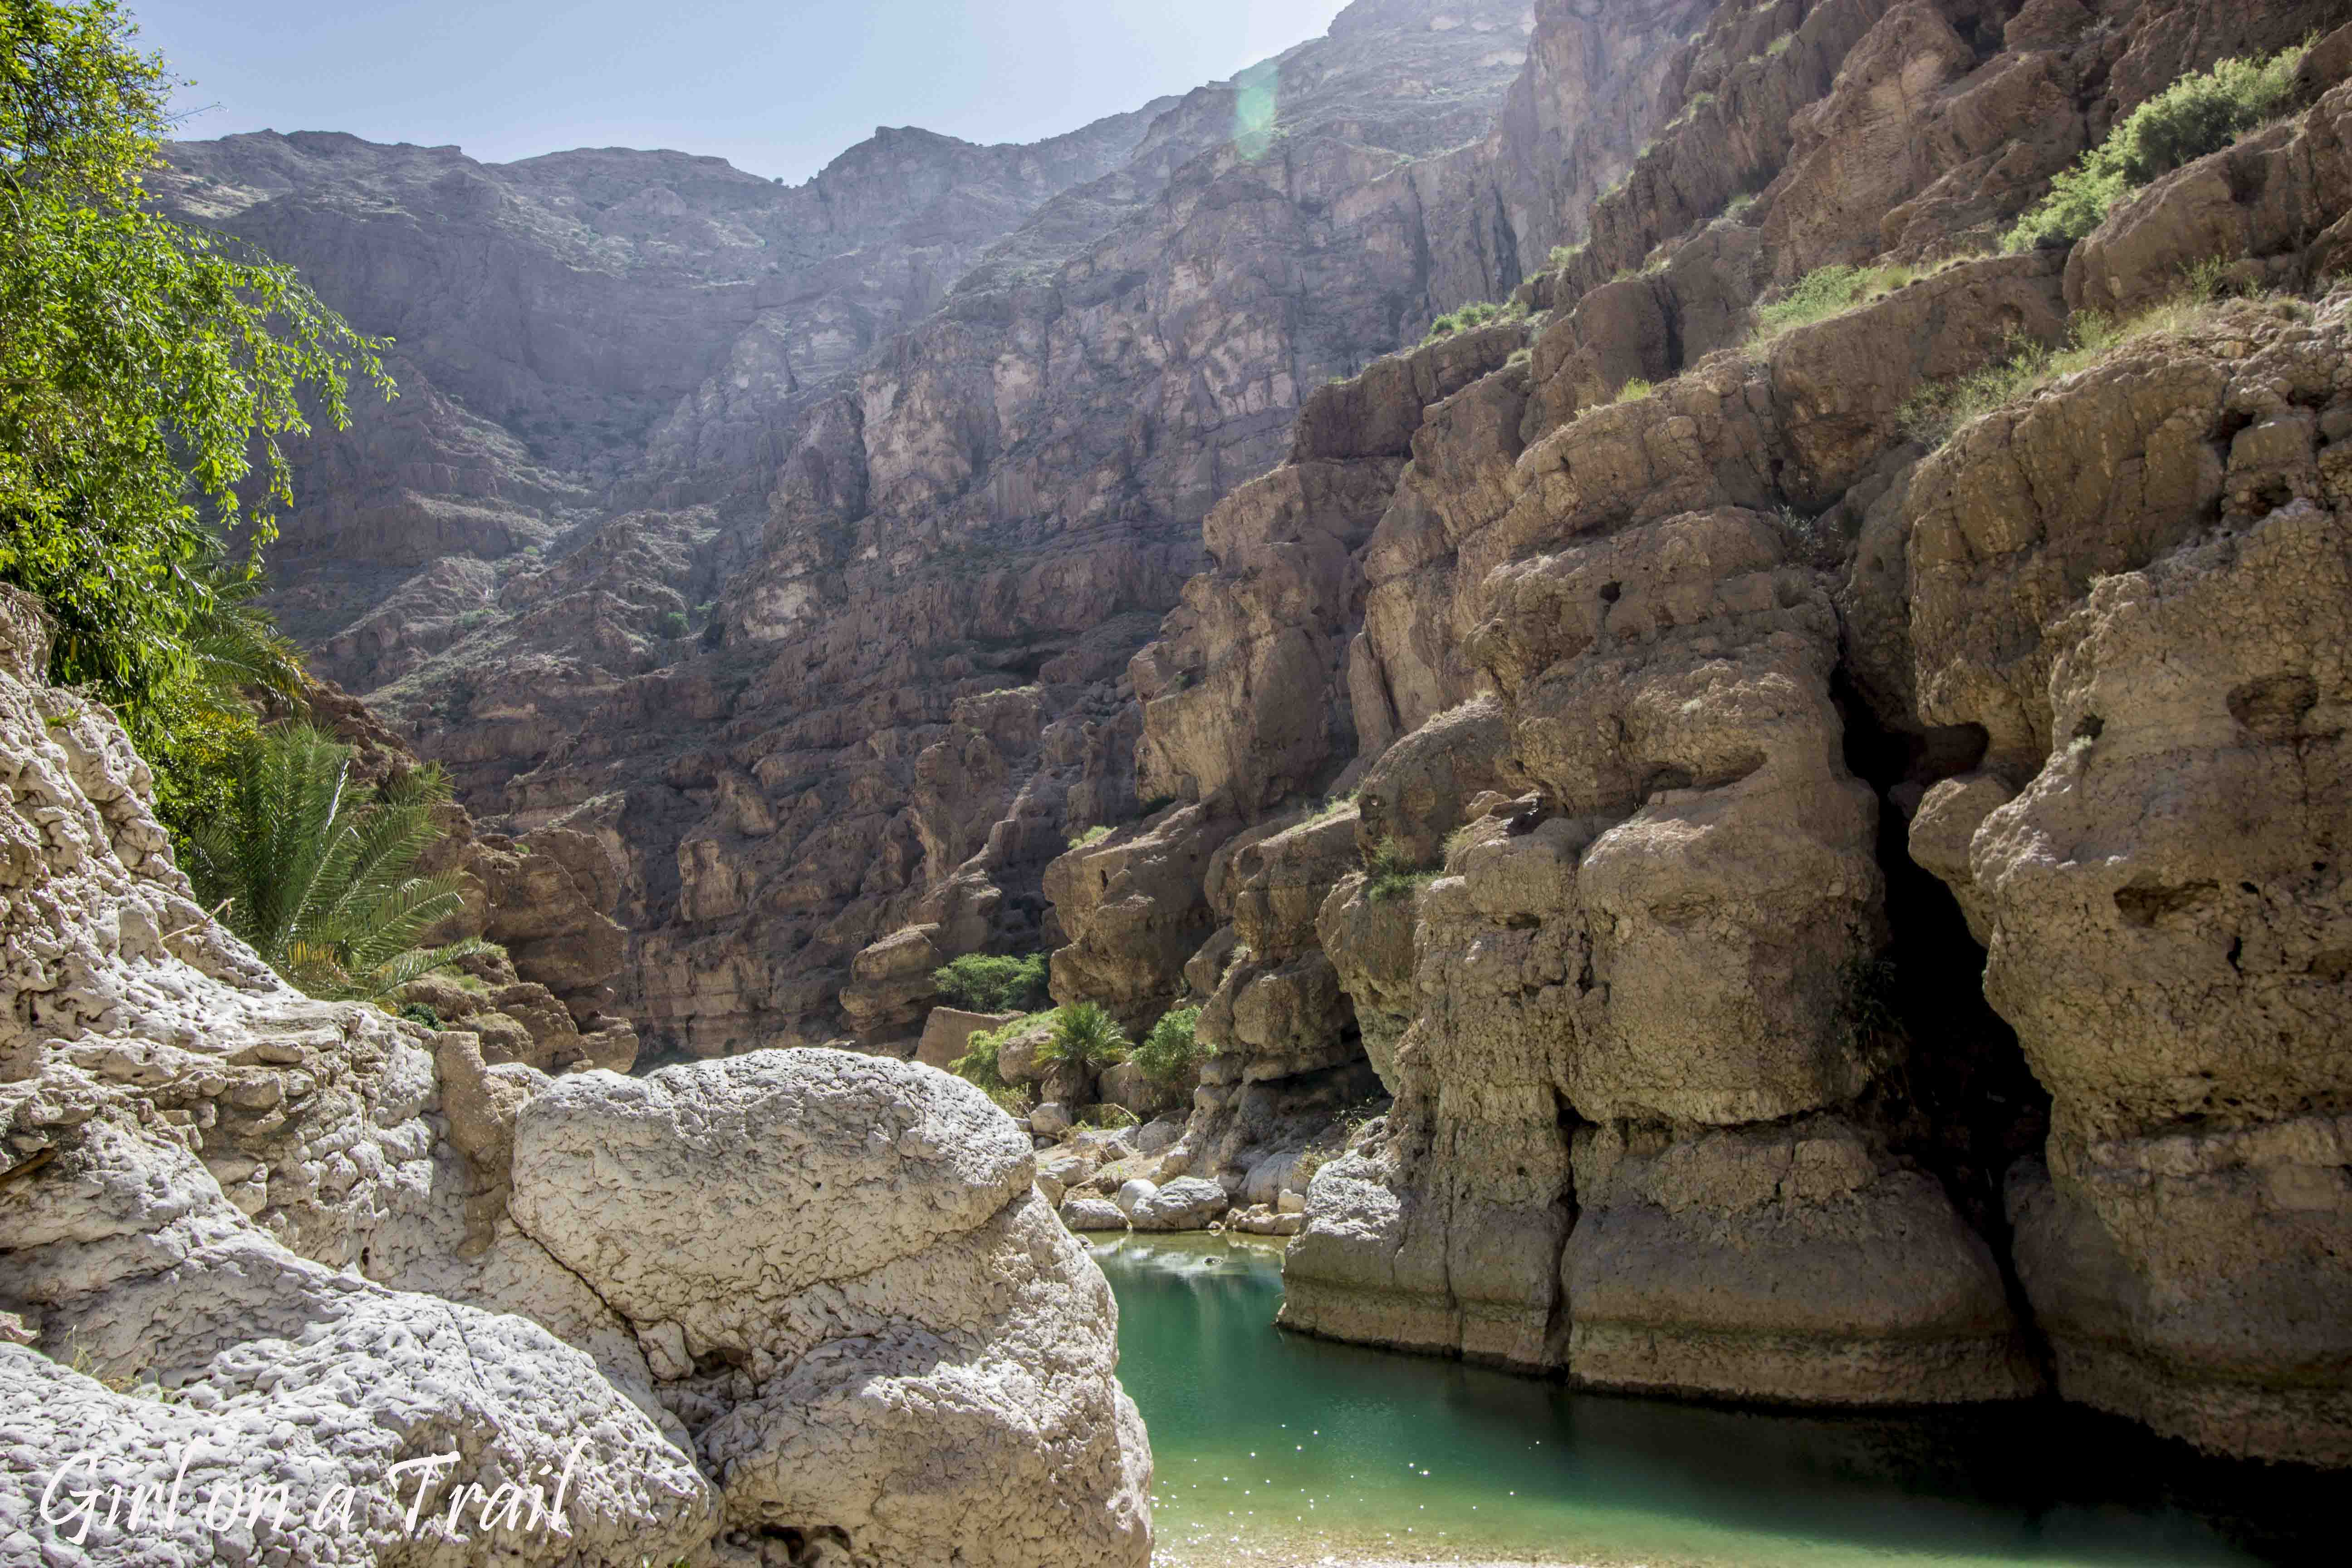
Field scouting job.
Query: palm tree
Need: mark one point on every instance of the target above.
(1086, 1040)
(1084, 1036)
(235, 647)
(313, 869)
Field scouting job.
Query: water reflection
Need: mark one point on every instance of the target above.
(1273, 1448)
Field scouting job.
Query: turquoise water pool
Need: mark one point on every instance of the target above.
(1276, 1448)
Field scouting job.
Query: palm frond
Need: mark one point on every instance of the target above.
(316, 869)
(387, 979)
(397, 920)
(234, 647)
(231, 646)
(373, 860)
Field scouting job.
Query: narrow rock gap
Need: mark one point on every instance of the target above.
(1557, 1329)
(1961, 1100)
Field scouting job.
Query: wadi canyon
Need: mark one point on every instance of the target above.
(1710, 864)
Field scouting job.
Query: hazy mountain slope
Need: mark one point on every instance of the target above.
(672, 538)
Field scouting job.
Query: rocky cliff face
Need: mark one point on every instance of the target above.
(1838, 908)
(1843, 912)
(792, 544)
(257, 1247)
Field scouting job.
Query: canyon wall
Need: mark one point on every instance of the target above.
(1844, 910)
(1835, 908)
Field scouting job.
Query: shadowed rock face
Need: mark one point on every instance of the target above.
(577, 335)
(794, 541)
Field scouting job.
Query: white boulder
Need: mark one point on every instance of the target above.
(1188, 1203)
(1092, 1213)
(914, 1353)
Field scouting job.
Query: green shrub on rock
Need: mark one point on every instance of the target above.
(2200, 113)
(977, 1064)
(1823, 292)
(1477, 313)
(1173, 1049)
(1393, 872)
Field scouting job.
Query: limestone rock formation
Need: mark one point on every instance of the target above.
(842, 1256)
(2150, 859)
(1843, 913)
(177, 1332)
(1188, 1203)
(257, 1247)
(197, 1160)
(1084, 1215)
(1665, 951)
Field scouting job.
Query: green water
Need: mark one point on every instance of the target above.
(1276, 1448)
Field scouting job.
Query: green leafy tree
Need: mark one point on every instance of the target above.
(982, 983)
(316, 870)
(150, 375)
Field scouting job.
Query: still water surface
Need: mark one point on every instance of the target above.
(1276, 1448)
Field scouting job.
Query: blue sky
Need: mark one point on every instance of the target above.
(777, 88)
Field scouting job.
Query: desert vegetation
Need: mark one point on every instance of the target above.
(2202, 112)
(316, 869)
(1477, 313)
(982, 983)
(1936, 412)
(1824, 292)
(1172, 1051)
(1392, 872)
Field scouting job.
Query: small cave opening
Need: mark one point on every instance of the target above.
(1961, 1098)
